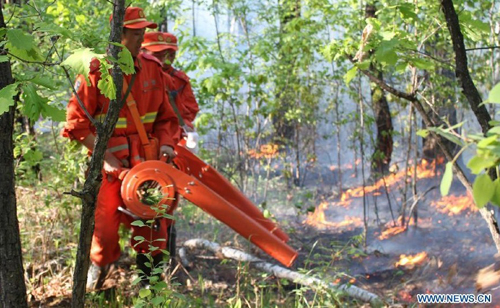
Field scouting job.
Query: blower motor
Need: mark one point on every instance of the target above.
(148, 191)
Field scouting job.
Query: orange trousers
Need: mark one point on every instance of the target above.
(105, 247)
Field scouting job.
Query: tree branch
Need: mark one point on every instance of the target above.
(34, 62)
(482, 48)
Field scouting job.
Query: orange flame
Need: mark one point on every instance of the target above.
(453, 204)
(318, 219)
(267, 150)
(405, 260)
(391, 232)
(424, 170)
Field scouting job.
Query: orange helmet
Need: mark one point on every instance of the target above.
(135, 19)
(159, 41)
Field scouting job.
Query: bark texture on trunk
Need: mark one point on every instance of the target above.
(12, 286)
(94, 178)
(461, 66)
(286, 97)
(381, 157)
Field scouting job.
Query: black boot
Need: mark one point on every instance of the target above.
(145, 265)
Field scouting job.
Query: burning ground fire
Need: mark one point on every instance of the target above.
(424, 170)
(391, 231)
(318, 219)
(450, 205)
(453, 205)
(410, 261)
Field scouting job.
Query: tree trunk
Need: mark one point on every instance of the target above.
(381, 157)
(94, 178)
(461, 66)
(284, 128)
(12, 286)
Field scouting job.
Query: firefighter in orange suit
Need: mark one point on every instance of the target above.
(163, 46)
(159, 120)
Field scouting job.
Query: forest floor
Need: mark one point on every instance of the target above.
(330, 242)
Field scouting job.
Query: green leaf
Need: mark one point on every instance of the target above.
(483, 190)
(487, 141)
(80, 60)
(139, 238)
(7, 97)
(422, 64)
(477, 164)
(446, 134)
(3, 58)
(136, 281)
(364, 65)
(496, 196)
(106, 83)
(423, 133)
(158, 300)
(32, 54)
(386, 52)
(494, 131)
(161, 285)
(44, 82)
(54, 29)
(447, 179)
(350, 74)
(126, 62)
(266, 213)
(138, 223)
(33, 157)
(34, 104)
(494, 96)
(408, 11)
(144, 293)
(20, 40)
(56, 114)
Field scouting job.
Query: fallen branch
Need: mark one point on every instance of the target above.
(278, 271)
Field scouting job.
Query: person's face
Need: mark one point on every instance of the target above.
(170, 56)
(166, 56)
(132, 39)
(160, 55)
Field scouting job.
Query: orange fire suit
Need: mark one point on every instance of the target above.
(180, 90)
(159, 121)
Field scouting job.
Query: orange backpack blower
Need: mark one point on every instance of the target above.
(202, 185)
